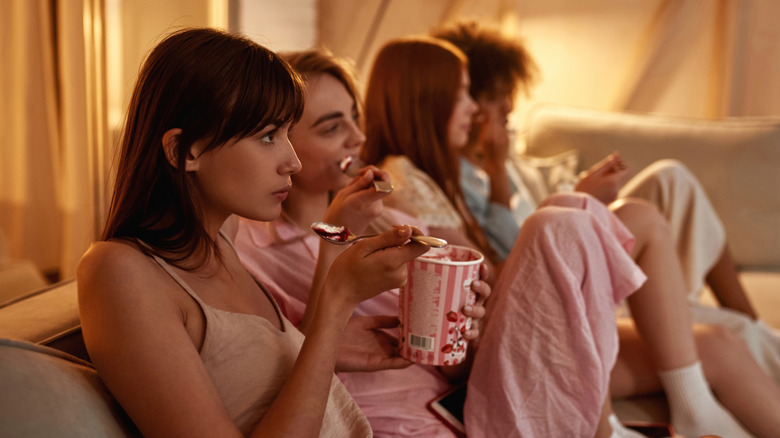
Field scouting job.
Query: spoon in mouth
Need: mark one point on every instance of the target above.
(340, 235)
(350, 166)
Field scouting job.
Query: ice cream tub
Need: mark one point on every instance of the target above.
(430, 305)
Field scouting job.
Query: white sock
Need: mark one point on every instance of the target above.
(694, 409)
(620, 431)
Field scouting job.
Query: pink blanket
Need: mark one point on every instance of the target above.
(542, 368)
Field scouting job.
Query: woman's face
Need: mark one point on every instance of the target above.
(462, 115)
(249, 177)
(327, 132)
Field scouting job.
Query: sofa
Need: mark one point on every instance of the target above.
(48, 387)
(737, 161)
(17, 276)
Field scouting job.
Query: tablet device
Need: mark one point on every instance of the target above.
(449, 408)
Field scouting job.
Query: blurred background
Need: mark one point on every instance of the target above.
(68, 66)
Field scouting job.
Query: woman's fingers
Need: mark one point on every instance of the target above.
(395, 239)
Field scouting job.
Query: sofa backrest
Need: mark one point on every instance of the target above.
(48, 316)
(737, 161)
(45, 392)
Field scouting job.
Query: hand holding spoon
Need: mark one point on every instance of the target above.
(350, 166)
(340, 235)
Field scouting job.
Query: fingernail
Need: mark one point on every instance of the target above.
(468, 308)
(403, 230)
(476, 283)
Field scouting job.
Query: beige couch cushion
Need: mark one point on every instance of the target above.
(47, 393)
(18, 277)
(43, 315)
(735, 159)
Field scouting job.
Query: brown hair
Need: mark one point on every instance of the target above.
(410, 97)
(321, 61)
(495, 60)
(215, 87)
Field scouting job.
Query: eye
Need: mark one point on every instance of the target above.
(268, 138)
(333, 127)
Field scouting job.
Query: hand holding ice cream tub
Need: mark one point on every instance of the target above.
(438, 287)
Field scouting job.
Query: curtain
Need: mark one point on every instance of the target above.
(54, 129)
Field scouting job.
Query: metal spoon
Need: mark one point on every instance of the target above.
(340, 235)
(350, 167)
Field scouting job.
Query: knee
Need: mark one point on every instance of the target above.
(564, 212)
(552, 220)
(641, 217)
(568, 199)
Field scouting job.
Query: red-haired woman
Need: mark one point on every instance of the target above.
(418, 113)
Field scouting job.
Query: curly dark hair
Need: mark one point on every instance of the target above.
(496, 61)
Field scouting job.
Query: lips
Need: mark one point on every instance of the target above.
(282, 193)
(345, 163)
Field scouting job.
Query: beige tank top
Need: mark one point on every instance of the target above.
(249, 360)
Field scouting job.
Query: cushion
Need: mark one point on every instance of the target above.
(546, 175)
(18, 277)
(42, 315)
(736, 160)
(46, 393)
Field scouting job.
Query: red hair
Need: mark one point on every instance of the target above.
(410, 98)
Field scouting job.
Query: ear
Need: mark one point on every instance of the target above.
(170, 141)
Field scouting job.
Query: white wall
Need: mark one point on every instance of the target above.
(279, 25)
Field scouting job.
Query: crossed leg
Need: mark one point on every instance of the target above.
(662, 319)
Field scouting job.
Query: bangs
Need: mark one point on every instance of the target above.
(269, 92)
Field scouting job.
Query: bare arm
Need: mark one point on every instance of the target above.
(367, 268)
(159, 380)
(605, 178)
(494, 142)
(137, 335)
(355, 206)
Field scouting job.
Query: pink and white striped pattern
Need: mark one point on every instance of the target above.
(437, 288)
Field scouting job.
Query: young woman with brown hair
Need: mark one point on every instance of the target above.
(395, 400)
(183, 336)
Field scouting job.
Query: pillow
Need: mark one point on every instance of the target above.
(42, 315)
(543, 176)
(44, 392)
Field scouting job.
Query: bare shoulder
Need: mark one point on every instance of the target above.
(114, 261)
(118, 273)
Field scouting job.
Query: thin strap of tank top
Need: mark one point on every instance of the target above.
(260, 285)
(195, 297)
(163, 264)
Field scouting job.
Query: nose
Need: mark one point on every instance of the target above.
(473, 107)
(356, 136)
(508, 104)
(291, 164)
